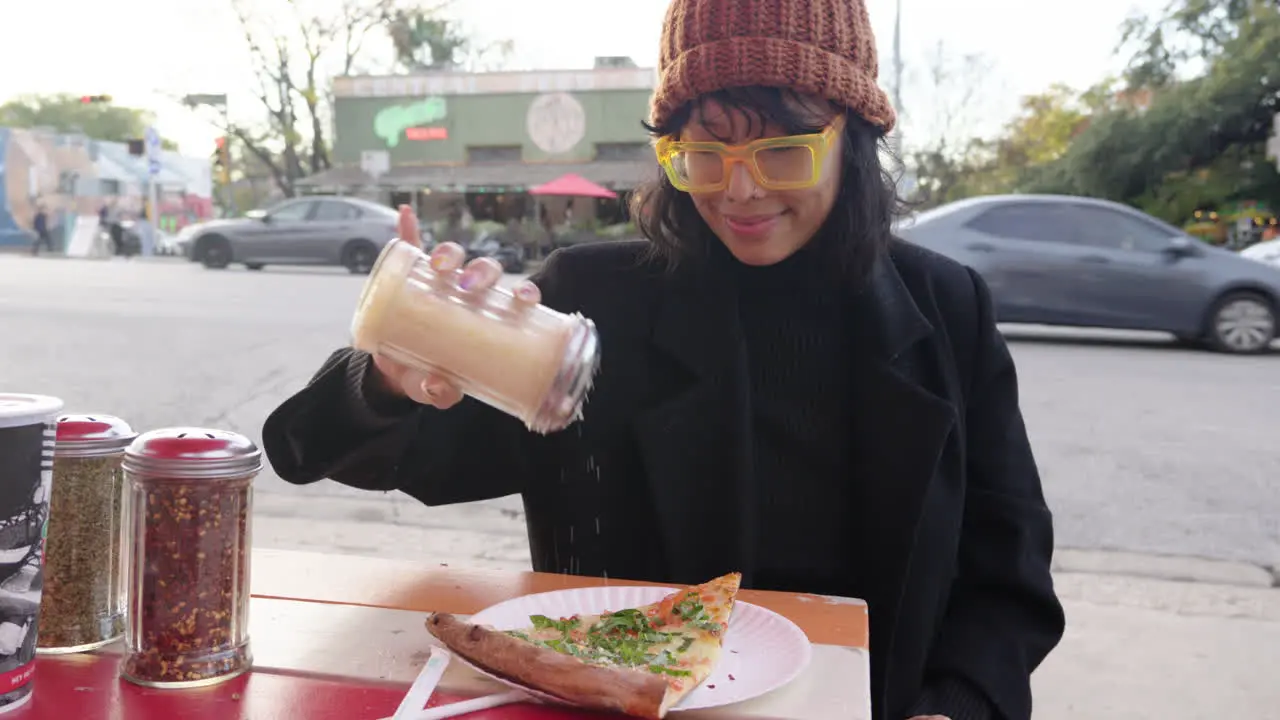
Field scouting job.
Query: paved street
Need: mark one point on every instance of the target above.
(1144, 447)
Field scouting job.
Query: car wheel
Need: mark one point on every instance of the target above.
(254, 266)
(215, 253)
(1242, 322)
(359, 257)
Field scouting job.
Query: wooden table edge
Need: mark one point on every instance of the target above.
(427, 587)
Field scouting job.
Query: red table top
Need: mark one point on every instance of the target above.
(86, 687)
(305, 617)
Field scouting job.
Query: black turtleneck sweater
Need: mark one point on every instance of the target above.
(794, 322)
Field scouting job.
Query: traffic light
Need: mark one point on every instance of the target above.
(222, 160)
(87, 99)
(137, 147)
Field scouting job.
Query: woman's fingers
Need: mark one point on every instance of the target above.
(407, 227)
(430, 390)
(527, 293)
(480, 274)
(447, 257)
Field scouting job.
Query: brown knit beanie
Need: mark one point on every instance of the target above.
(815, 47)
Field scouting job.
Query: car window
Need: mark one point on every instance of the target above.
(1106, 228)
(335, 211)
(1042, 222)
(292, 212)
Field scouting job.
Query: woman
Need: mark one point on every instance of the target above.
(787, 390)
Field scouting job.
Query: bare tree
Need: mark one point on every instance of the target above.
(952, 88)
(955, 87)
(296, 47)
(295, 51)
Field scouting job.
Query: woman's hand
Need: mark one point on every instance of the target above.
(478, 275)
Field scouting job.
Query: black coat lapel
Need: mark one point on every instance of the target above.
(693, 436)
(900, 431)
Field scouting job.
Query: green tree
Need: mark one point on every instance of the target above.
(1031, 142)
(1201, 139)
(67, 114)
(425, 40)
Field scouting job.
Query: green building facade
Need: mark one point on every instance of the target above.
(439, 129)
(457, 133)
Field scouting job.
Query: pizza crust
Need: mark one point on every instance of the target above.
(634, 692)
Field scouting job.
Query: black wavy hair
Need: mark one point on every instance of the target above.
(859, 226)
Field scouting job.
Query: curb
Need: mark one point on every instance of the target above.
(1164, 567)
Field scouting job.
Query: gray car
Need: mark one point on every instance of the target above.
(1055, 260)
(320, 230)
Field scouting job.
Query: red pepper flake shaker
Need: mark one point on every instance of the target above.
(188, 505)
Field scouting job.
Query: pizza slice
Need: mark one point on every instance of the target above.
(638, 661)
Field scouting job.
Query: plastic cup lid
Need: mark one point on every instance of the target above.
(18, 409)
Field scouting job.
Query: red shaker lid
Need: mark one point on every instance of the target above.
(90, 435)
(193, 453)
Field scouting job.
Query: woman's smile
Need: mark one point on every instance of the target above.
(753, 226)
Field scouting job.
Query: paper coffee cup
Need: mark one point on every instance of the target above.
(28, 430)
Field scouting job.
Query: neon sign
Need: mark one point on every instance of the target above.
(391, 123)
(426, 133)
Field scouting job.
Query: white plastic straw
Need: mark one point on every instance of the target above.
(469, 706)
(424, 685)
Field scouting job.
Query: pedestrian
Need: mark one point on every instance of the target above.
(40, 225)
(787, 389)
(115, 231)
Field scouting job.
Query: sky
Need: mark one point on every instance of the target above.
(146, 52)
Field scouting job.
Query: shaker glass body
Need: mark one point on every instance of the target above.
(189, 508)
(531, 362)
(83, 584)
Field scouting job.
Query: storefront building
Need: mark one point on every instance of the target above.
(72, 177)
(432, 139)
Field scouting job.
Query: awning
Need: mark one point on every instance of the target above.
(615, 174)
(109, 169)
(137, 167)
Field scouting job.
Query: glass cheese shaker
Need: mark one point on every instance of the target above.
(530, 362)
(188, 528)
(83, 602)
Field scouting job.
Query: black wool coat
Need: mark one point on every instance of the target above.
(656, 482)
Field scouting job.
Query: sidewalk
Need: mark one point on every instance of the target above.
(1145, 649)
(1148, 638)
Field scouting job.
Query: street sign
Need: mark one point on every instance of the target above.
(154, 148)
(215, 100)
(375, 163)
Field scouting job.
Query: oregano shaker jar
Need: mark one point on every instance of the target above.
(531, 362)
(83, 605)
(189, 497)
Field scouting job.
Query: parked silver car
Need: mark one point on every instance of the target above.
(318, 230)
(1057, 260)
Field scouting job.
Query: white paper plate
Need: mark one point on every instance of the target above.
(762, 650)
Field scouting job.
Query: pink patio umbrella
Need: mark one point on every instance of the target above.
(572, 185)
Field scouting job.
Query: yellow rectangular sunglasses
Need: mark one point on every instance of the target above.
(790, 162)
